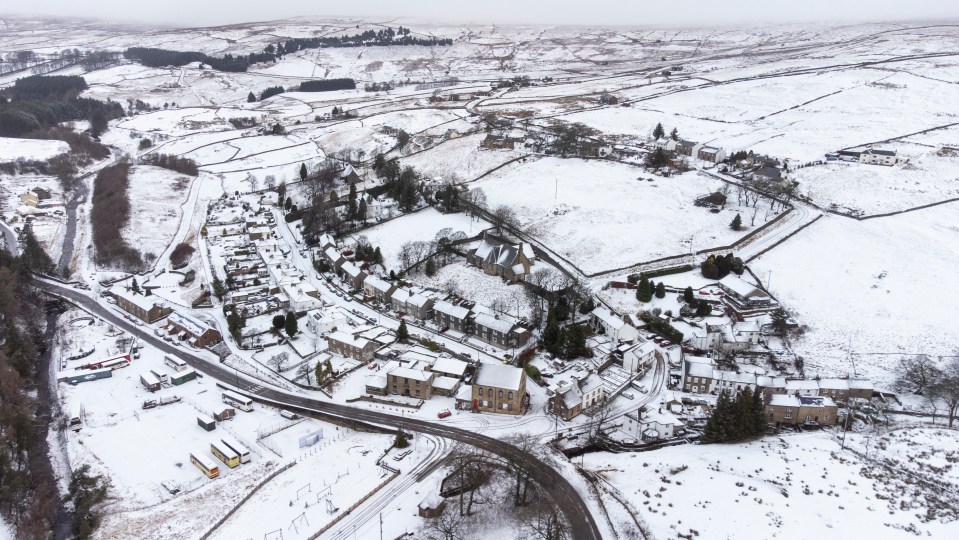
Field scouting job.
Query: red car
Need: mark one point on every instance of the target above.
(704, 293)
(665, 343)
(444, 414)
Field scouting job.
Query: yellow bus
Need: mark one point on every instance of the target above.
(225, 454)
(236, 447)
(205, 464)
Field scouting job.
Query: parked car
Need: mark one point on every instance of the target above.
(627, 395)
(665, 343)
(444, 414)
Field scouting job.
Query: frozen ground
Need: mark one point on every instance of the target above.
(36, 149)
(155, 198)
(473, 284)
(860, 189)
(881, 286)
(604, 215)
(793, 486)
(459, 160)
(423, 226)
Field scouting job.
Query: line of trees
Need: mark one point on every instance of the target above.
(111, 212)
(736, 419)
(37, 102)
(327, 85)
(181, 165)
(938, 384)
(154, 57)
(270, 92)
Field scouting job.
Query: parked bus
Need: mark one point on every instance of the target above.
(109, 361)
(175, 363)
(240, 450)
(238, 401)
(205, 464)
(225, 454)
(116, 363)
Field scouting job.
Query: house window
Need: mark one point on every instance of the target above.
(788, 414)
(510, 395)
(501, 394)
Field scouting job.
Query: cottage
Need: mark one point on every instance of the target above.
(303, 296)
(322, 322)
(499, 389)
(347, 345)
(498, 257)
(377, 289)
(333, 258)
(376, 385)
(447, 315)
(30, 199)
(650, 425)
(449, 367)
(198, 333)
(445, 386)
(684, 148)
(697, 375)
(801, 410)
(499, 331)
(146, 308)
(352, 275)
(640, 357)
(576, 395)
(410, 303)
(349, 176)
(711, 154)
(606, 322)
(409, 382)
(768, 174)
(802, 387)
(743, 299)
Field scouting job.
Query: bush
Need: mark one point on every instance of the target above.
(181, 255)
(145, 143)
(327, 85)
(111, 212)
(171, 162)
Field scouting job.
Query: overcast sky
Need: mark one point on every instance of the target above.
(577, 12)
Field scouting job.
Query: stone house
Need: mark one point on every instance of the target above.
(499, 389)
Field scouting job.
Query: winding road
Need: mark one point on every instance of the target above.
(582, 524)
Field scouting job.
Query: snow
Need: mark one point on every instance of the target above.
(867, 303)
(155, 196)
(604, 215)
(794, 485)
(12, 149)
(422, 226)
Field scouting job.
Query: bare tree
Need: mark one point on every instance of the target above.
(599, 414)
(917, 374)
(448, 526)
(547, 523)
(521, 466)
(504, 216)
(473, 471)
(473, 199)
(278, 360)
(946, 390)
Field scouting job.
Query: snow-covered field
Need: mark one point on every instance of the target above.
(473, 284)
(422, 226)
(35, 149)
(794, 486)
(603, 215)
(459, 159)
(876, 286)
(872, 189)
(156, 196)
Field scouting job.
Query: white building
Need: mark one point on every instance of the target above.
(613, 325)
(649, 425)
(640, 357)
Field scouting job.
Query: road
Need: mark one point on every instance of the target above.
(565, 495)
(13, 246)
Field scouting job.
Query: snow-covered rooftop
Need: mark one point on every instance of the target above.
(500, 376)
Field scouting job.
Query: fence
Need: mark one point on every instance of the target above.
(356, 505)
(236, 507)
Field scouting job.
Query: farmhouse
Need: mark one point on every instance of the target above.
(498, 257)
(145, 308)
(499, 389)
(711, 154)
(881, 157)
(801, 410)
(684, 148)
(768, 174)
(196, 332)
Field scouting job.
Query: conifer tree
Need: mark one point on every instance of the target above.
(402, 333)
(303, 171)
(291, 324)
(251, 98)
(688, 295)
(717, 427)
(660, 290)
(674, 134)
(644, 291)
(737, 223)
(658, 131)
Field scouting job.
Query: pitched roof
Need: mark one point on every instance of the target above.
(188, 323)
(457, 312)
(499, 325)
(500, 376)
(412, 374)
(450, 365)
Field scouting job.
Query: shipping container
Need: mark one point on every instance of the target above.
(77, 377)
(181, 377)
(149, 381)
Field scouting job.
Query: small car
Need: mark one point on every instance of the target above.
(444, 414)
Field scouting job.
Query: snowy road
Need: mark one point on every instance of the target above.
(10, 239)
(567, 497)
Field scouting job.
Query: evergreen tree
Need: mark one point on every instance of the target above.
(576, 341)
(279, 322)
(288, 204)
(402, 333)
(291, 324)
(759, 413)
(328, 366)
(658, 131)
(674, 134)
(303, 171)
(378, 162)
(251, 98)
(688, 295)
(135, 287)
(401, 440)
(780, 320)
(320, 372)
(551, 333)
(351, 208)
(587, 306)
(717, 427)
(430, 268)
(660, 290)
(644, 292)
(218, 289)
(745, 420)
(737, 223)
(361, 211)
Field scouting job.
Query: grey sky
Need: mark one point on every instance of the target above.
(602, 12)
